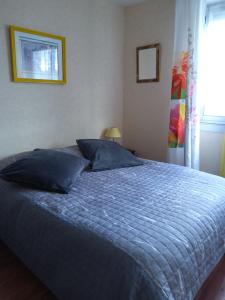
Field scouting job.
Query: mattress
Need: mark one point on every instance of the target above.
(154, 231)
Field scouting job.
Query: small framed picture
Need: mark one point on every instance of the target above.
(37, 56)
(148, 63)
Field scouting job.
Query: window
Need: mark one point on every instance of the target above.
(212, 66)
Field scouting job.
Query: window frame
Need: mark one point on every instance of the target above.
(211, 122)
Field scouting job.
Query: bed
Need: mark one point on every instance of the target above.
(154, 231)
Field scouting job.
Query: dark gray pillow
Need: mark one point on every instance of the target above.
(74, 150)
(11, 159)
(107, 155)
(46, 169)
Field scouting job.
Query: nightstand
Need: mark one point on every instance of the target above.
(131, 151)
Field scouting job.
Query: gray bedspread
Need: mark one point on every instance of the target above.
(150, 232)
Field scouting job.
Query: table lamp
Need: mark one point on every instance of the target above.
(113, 133)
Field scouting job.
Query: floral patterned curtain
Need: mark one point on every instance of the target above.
(184, 129)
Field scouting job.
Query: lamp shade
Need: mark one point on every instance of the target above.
(113, 133)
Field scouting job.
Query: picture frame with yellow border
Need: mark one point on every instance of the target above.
(37, 57)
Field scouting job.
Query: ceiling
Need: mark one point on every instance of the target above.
(128, 2)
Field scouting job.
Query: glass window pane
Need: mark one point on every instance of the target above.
(213, 69)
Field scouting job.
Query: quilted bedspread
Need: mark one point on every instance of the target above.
(149, 232)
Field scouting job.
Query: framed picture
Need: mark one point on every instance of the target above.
(37, 56)
(148, 59)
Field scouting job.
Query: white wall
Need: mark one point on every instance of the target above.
(43, 115)
(146, 108)
(210, 151)
(36, 115)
